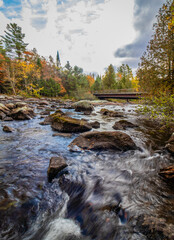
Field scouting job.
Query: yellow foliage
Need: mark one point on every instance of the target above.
(90, 80)
(135, 84)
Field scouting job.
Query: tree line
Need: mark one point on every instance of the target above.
(25, 72)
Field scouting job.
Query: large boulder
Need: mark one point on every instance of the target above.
(83, 106)
(110, 113)
(123, 125)
(63, 123)
(55, 166)
(103, 141)
(24, 113)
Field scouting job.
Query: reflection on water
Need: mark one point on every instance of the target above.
(97, 196)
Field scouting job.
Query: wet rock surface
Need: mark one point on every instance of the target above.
(83, 106)
(110, 113)
(104, 141)
(123, 125)
(7, 129)
(55, 166)
(63, 123)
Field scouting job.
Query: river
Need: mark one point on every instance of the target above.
(100, 195)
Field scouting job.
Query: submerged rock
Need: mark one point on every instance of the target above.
(63, 123)
(62, 135)
(55, 166)
(7, 129)
(103, 141)
(123, 125)
(24, 113)
(83, 106)
(110, 113)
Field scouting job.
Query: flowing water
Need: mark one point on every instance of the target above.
(99, 196)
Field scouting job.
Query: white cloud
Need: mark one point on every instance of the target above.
(1, 3)
(86, 32)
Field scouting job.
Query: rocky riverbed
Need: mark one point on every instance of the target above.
(93, 170)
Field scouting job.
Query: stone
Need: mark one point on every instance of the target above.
(20, 104)
(62, 135)
(10, 105)
(170, 144)
(110, 113)
(43, 103)
(3, 108)
(83, 106)
(95, 124)
(24, 113)
(123, 125)
(7, 129)
(2, 115)
(63, 123)
(167, 173)
(118, 141)
(8, 119)
(55, 166)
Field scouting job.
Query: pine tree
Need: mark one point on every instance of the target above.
(156, 69)
(109, 78)
(13, 40)
(58, 59)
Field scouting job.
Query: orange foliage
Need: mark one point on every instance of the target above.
(91, 80)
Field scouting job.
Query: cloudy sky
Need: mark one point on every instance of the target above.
(89, 33)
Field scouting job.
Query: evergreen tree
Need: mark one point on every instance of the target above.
(109, 78)
(97, 84)
(124, 77)
(58, 59)
(13, 40)
(156, 69)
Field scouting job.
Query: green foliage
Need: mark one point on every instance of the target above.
(159, 107)
(156, 70)
(48, 88)
(109, 80)
(13, 40)
(124, 77)
(97, 86)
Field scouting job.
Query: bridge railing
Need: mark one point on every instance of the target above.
(112, 91)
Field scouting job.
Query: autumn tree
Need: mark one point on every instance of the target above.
(109, 80)
(156, 69)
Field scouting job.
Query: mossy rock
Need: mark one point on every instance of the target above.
(63, 123)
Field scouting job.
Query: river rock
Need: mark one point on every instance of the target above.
(154, 227)
(83, 106)
(7, 129)
(2, 115)
(24, 113)
(55, 166)
(95, 124)
(118, 141)
(63, 123)
(7, 119)
(10, 105)
(123, 125)
(20, 104)
(167, 173)
(170, 144)
(110, 113)
(44, 102)
(3, 108)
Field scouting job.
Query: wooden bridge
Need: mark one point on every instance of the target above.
(119, 94)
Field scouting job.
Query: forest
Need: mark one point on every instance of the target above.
(26, 73)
